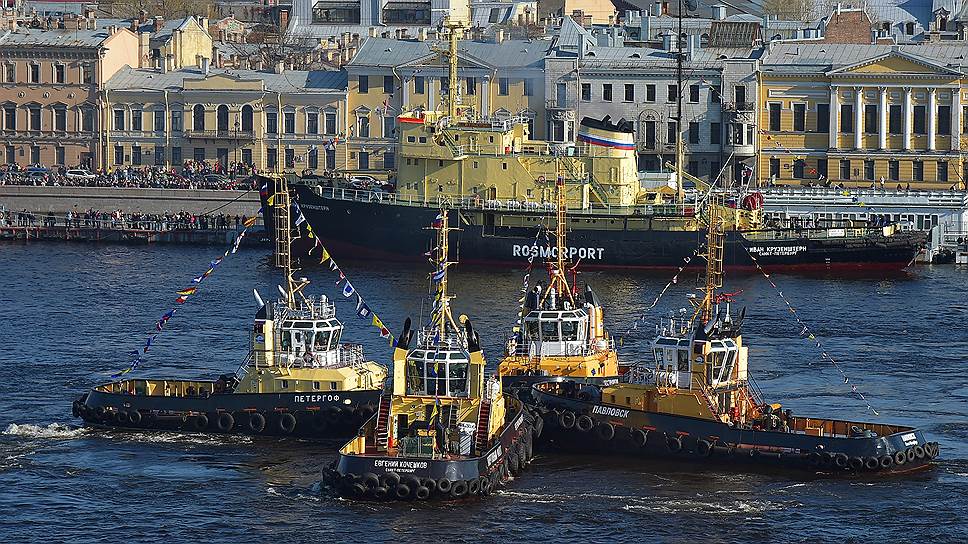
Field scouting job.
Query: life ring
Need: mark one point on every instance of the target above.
(585, 423)
(871, 463)
(909, 453)
(421, 493)
(401, 491)
(200, 422)
(444, 485)
(918, 451)
(886, 461)
(225, 422)
(474, 486)
(900, 458)
(319, 423)
(841, 460)
(391, 479)
(371, 480)
(640, 437)
(287, 423)
(605, 431)
(134, 417)
(674, 444)
(856, 463)
(703, 448)
(459, 489)
(121, 417)
(380, 492)
(567, 420)
(257, 422)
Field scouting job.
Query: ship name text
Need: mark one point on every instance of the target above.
(520, 250)
(778, 250)
(315, 398)
(609, 411)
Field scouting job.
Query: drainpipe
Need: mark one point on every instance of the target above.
(167, 133)
(279, 130)
(106, 132)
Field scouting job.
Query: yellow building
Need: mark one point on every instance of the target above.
(387, 77)
(859, 115)
(178, 43)
(287, 122)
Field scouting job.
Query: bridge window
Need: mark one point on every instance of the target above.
(569, 330)
(549, 331)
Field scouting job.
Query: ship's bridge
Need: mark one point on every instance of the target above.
(438, 367)
(556, 333)
(309, 335)
(674, 367)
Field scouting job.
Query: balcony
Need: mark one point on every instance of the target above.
(220, 134)
(555, 104)
(739, 106)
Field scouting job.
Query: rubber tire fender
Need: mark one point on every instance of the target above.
(605, 431)
(900, 458)
(444, 485)
(429, 483)
(76, 409)
(640, 437)
(421, 493)
(567, 420)
(871, 463)
(100, 412)
(485, 485)
(380, 492)
(841, 460)
(815, 459)
(319, 424)
(474, 486)
(200, 422)
(514, 464)
(585, 423)
(856, 463)
(918, 451)
(674, 444)
(909, 453)
(459, 489)
(401, 491)
(357, 490)
(538, 427)
(225, 422)
(121, 417)
(371, 480)
(391, 479)
(886, 461)
(257, 422)
(287, 423)
(703, 448)
(134, 417)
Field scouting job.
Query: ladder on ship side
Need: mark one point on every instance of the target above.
(483, 425)
(383, 423)
(280, 209)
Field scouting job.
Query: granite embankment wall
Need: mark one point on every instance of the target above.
(61, 199)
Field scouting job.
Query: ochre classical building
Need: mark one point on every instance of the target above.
(277, 122)
(859, 115)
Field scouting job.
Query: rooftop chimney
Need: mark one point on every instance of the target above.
(719, 12)
(205, 61)
(158, 22)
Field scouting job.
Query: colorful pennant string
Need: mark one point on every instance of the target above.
(527, 277)
(183, 296)
(806, 333)
(675, 279)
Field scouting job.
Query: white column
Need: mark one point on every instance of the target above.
(907, 118)
(486, 96)
(882, 118)
(405, 94)
(956, 118)
(834, 112)
(932, 114)
(858, 118)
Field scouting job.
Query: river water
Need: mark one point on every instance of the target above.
(72, 312)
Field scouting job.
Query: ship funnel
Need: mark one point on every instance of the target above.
(258, 299)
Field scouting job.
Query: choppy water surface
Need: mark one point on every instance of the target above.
(71, 312)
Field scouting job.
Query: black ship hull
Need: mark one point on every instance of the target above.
(318, 415)
(376, 477)
(369, 228)
(572, 424)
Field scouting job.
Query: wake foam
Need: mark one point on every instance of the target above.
(55, 431)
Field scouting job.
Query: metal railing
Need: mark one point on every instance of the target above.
(534, 349)
(312, 308)
(429, 338)
(832, 196)
(343, 356)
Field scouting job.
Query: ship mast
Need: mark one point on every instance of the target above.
(558, 281)
(442, 314)
(455, 26)
(679, 150)
(283, 251)
(714, 258)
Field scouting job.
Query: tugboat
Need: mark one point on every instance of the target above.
(445, 432)
(298, 378)
(697, 401)
(559, 332)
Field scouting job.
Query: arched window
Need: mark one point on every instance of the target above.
(704, 41)
(222, 118)
(247, 118)
(198, 117)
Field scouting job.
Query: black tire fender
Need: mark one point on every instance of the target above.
(459, 489)
(287, 423)
(585, 423)
(401, 491)
(257, 422)
(371, 480)
(605, 431)
(703, 448)
(567, 420)
(444, 485)
(640, 437)
(200, 422)
(390, 479)
(673, 444)
(225, 422)
(421, 493)
(134, 417)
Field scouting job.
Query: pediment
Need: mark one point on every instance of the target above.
(896, 62)
(439, 60)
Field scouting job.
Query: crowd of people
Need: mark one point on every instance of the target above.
(193, 175)
(120, 220)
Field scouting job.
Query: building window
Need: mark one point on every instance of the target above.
(502, 86)
(118, 119)
(247, 114)
(528, 87)
(60, 118)
(629, 92)
(314, 158)
(715, 133)
(798, 168)
(774, 117)
(10, 73)
(672, 135)
(944, 120)
(774, 168)
(388, 84)
(247, 156)
(159, 120)
(34, 114)
(895, 119)
(418, 84)
(942, 172)
(470, 86)
(389, 126)
(694, 133)
(739, 93)
(272, 122)
(846, 118)
(845, 169)
(329, 118)
(823, 118)
(673, 93)
(694, 94)
(59, 156)
(87, 119)
(10, 118)
(136, 120)
(34, 73)
(176, 155)
(312, 123)
(737, 133)
(650, 128)
(159, 156)
(35, 154)
(909, 29)
(363, 126)
(363, 160)
(290, 155)
(894, 170)
(272, 159)
(799, 117)
(607, 92)
(289, 122)
(176, 123)
(87, 74)
(918, 173)
(222, 118)
(822, 169)
(586, 94)
(136, 155)
(869, 170)
(11, 154)
(330, 159)
(650, 93)
(364, 84)
(198, 154)
(198, 117)
(60, 72)
(118, 154)
(870, 119)
(920, 120)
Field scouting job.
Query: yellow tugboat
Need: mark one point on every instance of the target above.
(298, 378)
(560, 333)
(446, 431)
(697, 401)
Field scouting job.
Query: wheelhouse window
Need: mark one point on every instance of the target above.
(436, 373)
